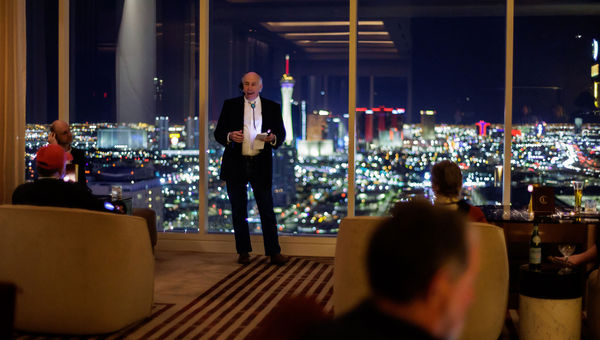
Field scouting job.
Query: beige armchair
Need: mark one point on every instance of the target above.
(77, 271)
(350, 278)
(593, 305)
(487, 314)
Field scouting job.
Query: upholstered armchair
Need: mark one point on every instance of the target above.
(76, 271)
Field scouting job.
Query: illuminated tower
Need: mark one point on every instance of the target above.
(287, 88)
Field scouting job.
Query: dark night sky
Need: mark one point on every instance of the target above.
(458, 66)
(456, 59)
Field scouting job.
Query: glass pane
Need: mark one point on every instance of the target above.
(309, 170)
(430, 88)
(133, 99)
(555, 110)
(42, 76)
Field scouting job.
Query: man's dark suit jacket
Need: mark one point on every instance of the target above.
(232, 119)
(56, 193)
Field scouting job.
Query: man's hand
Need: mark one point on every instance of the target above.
(269, 138)
(236, 136)
(52, 138)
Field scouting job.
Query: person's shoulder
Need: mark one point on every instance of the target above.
(477, 215)
(21, 189)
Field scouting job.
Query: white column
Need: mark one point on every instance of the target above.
(136, 62)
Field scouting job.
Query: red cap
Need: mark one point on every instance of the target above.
(51, 157)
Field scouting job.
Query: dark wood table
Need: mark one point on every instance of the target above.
(553, 231)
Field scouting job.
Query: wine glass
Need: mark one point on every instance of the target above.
(566, 249)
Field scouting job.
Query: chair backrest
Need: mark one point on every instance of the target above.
(77, 271)
(487, 314)
(593, 304)
(351, 285)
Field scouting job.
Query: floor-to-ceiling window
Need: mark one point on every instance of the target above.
(430, 87)
(556, 119)
(301, 52)
(42, 76)
(132, 98)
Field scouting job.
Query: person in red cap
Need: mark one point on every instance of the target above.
(49, 189)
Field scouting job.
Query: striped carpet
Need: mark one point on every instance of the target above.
(234, 306)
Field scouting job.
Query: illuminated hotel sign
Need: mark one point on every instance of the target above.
(595, 70)
(427, 112)
(395, 111)
(595, 49)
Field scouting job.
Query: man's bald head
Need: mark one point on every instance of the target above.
(61, 132)
(252, 85)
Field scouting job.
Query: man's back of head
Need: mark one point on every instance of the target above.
(422, 263)
(50, 161)
(409, 247)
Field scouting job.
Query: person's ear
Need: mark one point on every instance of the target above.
(440, 289)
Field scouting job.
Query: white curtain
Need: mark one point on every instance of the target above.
(12, 96)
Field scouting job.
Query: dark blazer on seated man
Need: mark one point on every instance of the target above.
(50, 189)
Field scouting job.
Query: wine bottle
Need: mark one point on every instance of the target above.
(535, 249)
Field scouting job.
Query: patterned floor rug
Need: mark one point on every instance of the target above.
(234, 306)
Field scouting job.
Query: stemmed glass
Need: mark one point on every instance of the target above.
(566, 249)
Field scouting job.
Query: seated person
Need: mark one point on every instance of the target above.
(446, 182)
(49, 189)
(421, 264)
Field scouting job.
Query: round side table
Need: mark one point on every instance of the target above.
(549, 303)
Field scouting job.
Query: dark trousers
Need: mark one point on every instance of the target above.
(238, 197)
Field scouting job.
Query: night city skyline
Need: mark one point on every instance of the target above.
(423, 83)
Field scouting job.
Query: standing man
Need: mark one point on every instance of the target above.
(250, 127)
(60, 133)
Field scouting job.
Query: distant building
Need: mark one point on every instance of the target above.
(192, 133)
(308, 148)
(284, 184)
(316, 126)
(122, 138)
(389, 124)
(428, 124)
(162, 132)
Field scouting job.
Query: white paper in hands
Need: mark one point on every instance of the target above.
(259, 141)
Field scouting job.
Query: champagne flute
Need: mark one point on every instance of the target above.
(578, 192)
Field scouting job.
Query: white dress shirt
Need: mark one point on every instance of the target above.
(252, 127)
